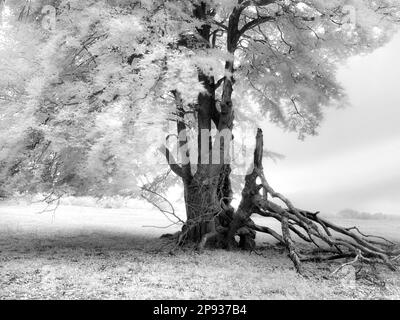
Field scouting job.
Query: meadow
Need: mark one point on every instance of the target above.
(87, 252)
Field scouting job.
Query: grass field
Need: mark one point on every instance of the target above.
(97, 253)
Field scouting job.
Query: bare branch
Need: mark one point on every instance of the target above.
(256, 22)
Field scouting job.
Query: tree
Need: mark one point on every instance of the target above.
(108, 68)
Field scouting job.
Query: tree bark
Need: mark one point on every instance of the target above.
(210, 188)
(210, 217)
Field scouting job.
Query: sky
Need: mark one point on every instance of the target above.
(354, 162)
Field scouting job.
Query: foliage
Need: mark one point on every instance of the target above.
(84, 106)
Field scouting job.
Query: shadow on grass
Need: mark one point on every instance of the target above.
(95, 241)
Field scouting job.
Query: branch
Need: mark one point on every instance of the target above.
(248, 3)
(269, 231)
(256, 22)
(163, 211)
(347, 264)
(221, 25)
(343, 243)
(177, 169)
(219, 82)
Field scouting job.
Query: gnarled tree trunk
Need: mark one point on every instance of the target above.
(332, 241)
(210, 217)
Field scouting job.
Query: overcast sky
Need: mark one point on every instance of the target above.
(354, 162)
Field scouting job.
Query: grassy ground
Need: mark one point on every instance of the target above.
(94, 253)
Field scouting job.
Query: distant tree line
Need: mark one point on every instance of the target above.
(354, 214)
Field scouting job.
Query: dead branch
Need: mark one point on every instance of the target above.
(333, 241)
(347, 264)
(167, 213)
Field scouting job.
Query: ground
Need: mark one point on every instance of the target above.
(98, 253)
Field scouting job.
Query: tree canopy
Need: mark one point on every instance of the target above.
(87, 89)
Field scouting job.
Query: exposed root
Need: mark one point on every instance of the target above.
(219, 224)
(332, 241)
(290, 245)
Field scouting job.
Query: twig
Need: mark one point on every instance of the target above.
(347, 264)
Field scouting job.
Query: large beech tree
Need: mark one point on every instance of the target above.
(89, 91)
